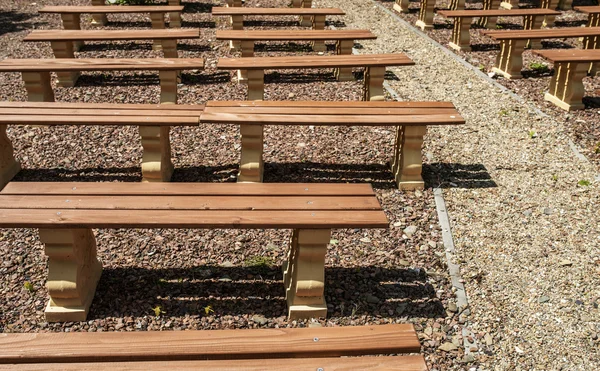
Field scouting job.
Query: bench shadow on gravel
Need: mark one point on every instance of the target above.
(148, 79)
(454, 175)
(198, 7)
(12, 21)
(370, 290)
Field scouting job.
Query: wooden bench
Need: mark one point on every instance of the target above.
(344, 41)
(314, 17)
(512, 44)
(154, 122)
(71, 15)
(570, 67)
(374, 65)
(409, 118)
(99, 17)
(63, 41)
(65, 214)
(36, 72)
(294, 349)
(546, 4)
(461, 39)
(295, 3)
(593, 13)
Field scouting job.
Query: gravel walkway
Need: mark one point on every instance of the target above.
(526, 232)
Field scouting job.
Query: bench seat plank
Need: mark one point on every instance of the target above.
(229, 11)
(320, 111)
(571, 55)
(327, 104)
(103, 35)
(111, 9)
(310, 61)
(385, 363)
(207, 345)
(101, 108)
(100, 64)
(552, 33)
(97, 112)
(497, 12)
(294, 35)
(107, 120)
(592, 9)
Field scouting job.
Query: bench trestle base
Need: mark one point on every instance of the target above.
(407, 162)
(156, 160)
(9, 167)
(251, 159)
(566, 87)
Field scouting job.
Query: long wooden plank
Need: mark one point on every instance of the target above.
(337, 120)
(387, 363)
(101, 35)
(98, 120)
(190, 202)
(100, 64)
(497, 12)
(328, 111)
(214, 344)
(592, 9)
(111, 9)
(101, 106)
(551, 33)
(236, 10)
(191, 189)
(297, 35)
(315, 61)
(204, 219)
(334, 104)
(97, 112)
(570, 55)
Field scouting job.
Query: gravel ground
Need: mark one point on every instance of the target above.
(373, 276)
(584, 125)
(526, 232)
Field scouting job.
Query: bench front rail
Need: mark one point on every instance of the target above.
(65, 213)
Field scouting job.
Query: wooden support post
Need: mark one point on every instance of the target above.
(175, 17)
(426, 14)
(374, 84)
(566, 87)
(304, 274)
(38, 86)
(318, 23)
(457, 5)
(247, 49)
(256, 84)
(9, 167)
(565, 4)
(407, 163)
(297, 3)
(591, 42)
(593, 20)
(72, 22)
(461, 39)
(237, 23)
(64, 49)
(158, 23)
(510, 4)
(73, 273)
(236, 3)
(552, 5)
(306, 21)
(509, 61)
(169, 48)
(156, 160)
(489, 22)
(168, 86)
(344, 47)
(100, 18)
(532, 22)
(251, 159)
(401, 6)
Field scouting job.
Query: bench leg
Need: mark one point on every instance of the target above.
(158, 23)
(318, 23)
(566, 87)
(174, 17)
(237, 23)
(38, 86)
(509, 61)
(461, 39)
(407, 163)
(297, 3)
(344, 47)
(426, 14)
(565, 4)
(510, 4)
(65, 50)
(73, 273)
(489, 22)
(256, 84)
(156, 160)
(251, 160)
(168, 86)
(304, 274)
(401, 6)
(247, 49)
(457, 5)
(9, 167)
(532, 22)
(236, 3)
(169, 48)
(306, 21)
(549, 4)
(374, 84)
(99, 19)
(72, 22)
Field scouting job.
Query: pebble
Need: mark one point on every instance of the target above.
(410, 230)
(261, 320)
(372, 299)
(543, 299)
(452, 307)
(448, 347)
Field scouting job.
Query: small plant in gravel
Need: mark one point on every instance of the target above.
(158, 311)
(481, 67)
(584, 183)
(260, 262)
(539, 67)
(555, 177)
(597, 148)
(504, 112)
(29, 286)
(532, 134)
(208, 310)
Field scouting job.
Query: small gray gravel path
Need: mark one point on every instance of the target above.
(526, 228)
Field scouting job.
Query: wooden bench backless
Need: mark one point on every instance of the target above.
(36, 72)
(291, 349)
(593, 13)
(252, 70)
(570, 67)
(65, 213)
(509, 62)
(154, 122)
(461, 39)
(410, 119)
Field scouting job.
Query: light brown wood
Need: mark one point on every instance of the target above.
(306, 61)
(23, 119)
(324, 110)
(214, 344)
(496, 12)
(103, 108)
(554, 33)
(101, 35)
(327, 104)
(294, 35)
(228, 11)
(100, 112)
(108, 9)
(398, 363)
(594, 9)
(571, 55)
(100, 64)
(187, 189)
